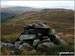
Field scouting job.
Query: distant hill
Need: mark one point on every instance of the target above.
(7, 14)
(18, 9)
(21, 7)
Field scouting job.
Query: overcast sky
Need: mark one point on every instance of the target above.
(40, 4)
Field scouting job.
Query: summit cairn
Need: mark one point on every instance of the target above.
(37, 35)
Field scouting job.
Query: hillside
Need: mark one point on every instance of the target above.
(9, 13)
(60, 19)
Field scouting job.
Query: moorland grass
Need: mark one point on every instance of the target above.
(50, 51)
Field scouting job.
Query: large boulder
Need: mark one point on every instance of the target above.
(27, 36)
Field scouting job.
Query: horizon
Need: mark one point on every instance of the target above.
(39, 4)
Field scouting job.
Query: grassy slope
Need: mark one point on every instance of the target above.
(59, 19)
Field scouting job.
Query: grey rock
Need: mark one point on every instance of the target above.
(24, 45)
(32, 51)
(46, 45)
(59, 39)
(9, 45)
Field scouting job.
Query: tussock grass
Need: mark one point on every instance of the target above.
(5, 51)
(9, 37)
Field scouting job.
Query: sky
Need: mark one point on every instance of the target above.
(40, 4)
